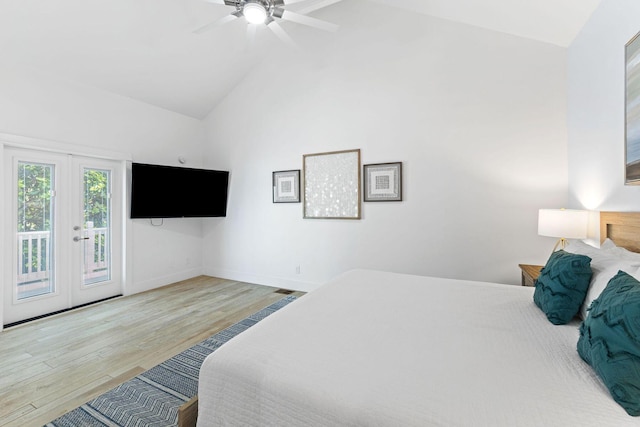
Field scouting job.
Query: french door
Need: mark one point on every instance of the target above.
(64, 221)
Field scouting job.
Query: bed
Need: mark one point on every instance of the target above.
(375, 348)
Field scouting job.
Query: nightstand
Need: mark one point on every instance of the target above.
(530, 273)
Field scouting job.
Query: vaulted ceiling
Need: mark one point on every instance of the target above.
(147, 50)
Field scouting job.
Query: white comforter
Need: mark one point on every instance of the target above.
(383, 349)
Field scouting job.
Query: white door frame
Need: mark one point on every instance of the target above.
(18, 141)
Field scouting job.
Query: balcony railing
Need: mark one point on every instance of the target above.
(33, 247)
(34, 260)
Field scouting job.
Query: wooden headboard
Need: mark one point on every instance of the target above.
(621, 227)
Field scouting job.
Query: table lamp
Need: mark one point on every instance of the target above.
(564, 224)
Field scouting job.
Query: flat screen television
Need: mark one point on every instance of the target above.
(175, 192)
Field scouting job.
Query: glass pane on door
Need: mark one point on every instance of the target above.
(35, 230)
(97, 226)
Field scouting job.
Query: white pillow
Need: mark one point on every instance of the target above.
(613, 249)
(606, 261)
(607, 244)
(625, 254)
(603, 271)
(581, 248)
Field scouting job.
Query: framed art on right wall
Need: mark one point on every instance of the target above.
(383, 182)
(632, 111)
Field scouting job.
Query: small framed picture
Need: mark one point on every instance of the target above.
(286, 186)
(383, 182)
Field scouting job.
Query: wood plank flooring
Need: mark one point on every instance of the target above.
(52, 365)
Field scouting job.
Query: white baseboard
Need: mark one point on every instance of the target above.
(276, 282)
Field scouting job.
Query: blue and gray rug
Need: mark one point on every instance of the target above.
(153, 397)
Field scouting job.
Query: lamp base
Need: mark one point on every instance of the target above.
(562, 242)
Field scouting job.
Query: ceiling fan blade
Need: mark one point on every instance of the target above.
(316, 6)
(282, 35)
(223, 2)
(251, 34)
(307, 20)
(217, 23)
(288, 2)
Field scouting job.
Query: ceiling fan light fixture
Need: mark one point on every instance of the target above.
(254, 12)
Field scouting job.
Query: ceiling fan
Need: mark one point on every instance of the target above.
(258, 12)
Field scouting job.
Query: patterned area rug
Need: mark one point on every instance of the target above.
(153, 397)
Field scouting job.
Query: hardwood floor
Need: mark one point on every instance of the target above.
(52, 365)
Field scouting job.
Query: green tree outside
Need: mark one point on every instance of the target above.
(34, 197)
(96, 197)
(35, 184)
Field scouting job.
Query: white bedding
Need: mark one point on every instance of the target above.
(383, 349)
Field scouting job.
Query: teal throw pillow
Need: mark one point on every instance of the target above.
(610, 340)
(562, 286)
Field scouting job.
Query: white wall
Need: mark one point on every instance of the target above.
(478, 119)
(596, 109)
(50, 109)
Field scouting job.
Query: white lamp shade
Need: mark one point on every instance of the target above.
(563, 223)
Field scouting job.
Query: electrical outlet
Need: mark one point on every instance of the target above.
(297, 269)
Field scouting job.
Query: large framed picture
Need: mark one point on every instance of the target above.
(286, 186)
(383, 182)
(632, 111)
(332, 185)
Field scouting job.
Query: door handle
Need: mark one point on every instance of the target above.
(78, 238)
